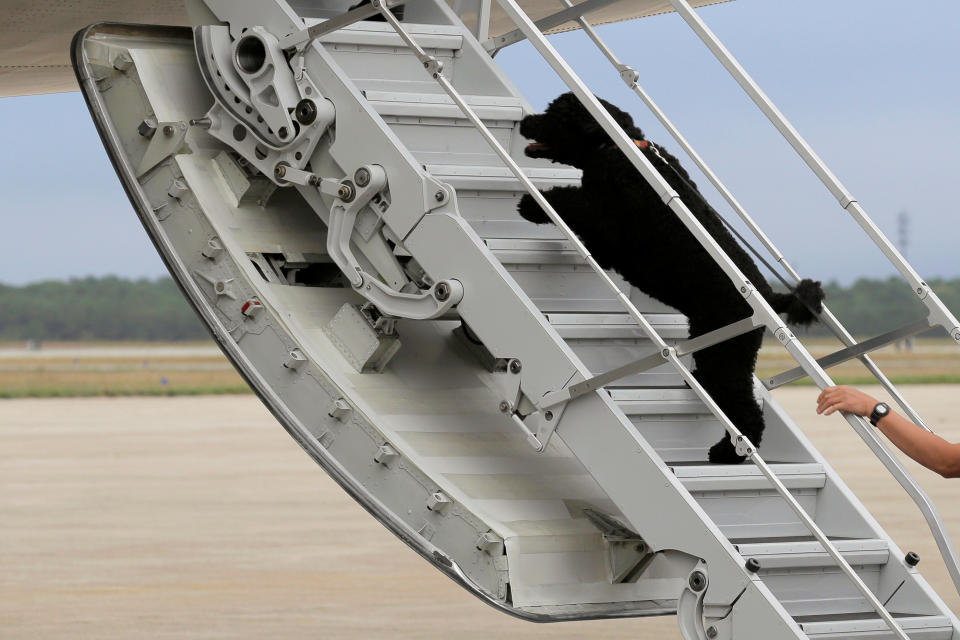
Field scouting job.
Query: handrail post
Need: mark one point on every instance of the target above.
(939, 314)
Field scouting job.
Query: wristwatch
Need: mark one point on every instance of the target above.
(881, 411)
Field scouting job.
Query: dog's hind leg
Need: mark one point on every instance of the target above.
(726, 372)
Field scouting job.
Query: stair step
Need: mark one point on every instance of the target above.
(492, 178)
(745, 477)
(869, 626)
(600, 326)
(435, 105)
(641, 402)
(781, 555)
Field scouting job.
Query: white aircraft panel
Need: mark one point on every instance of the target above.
(35, 35)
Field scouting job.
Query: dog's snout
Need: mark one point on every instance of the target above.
(530, 125)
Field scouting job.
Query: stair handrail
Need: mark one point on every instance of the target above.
(939, 314)
(631, 77)
(906, 480)
(761, 307)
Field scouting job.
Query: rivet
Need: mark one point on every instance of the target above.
(504, 406)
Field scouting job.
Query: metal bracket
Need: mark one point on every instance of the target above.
(537, 424)
(351, 198)
(849, 353)
(165, 139)
(690, 604)
(236, 119)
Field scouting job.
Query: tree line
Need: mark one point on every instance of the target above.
(113, 308)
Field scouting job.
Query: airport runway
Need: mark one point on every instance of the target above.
(200, 518)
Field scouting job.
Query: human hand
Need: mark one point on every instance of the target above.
(847, 399)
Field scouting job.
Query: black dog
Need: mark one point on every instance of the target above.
(630, 230)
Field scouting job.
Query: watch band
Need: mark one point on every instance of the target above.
(880, 411)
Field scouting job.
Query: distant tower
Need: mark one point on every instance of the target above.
(903, 236)
(903, 231)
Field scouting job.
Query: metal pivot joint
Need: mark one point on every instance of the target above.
(690, 604)
(350, 199)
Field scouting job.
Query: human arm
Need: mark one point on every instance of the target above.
(925, 447)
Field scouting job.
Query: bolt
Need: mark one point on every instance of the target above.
(712, 632)
(442, 291)
(515, 366)
(548, 416)
(362, 177)
(345, 192)
(280, 171)
(426, 64)
(912, 559)
(956, 335)
(504, 407)
(168, 130)
(752, 565)
(665, 353)
(919, 291)
(439, 196)
(743, 289)
(283, 133)
(698, 581)
(314, 181)
(306, 111)
(203, 123)
(220, 287)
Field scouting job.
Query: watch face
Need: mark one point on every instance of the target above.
(882, 410)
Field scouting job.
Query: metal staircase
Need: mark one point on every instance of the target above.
(368, 274)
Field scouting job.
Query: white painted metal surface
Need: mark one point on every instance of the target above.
(35, 34)
(600, 506)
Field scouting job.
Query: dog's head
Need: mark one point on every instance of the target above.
(567, 133)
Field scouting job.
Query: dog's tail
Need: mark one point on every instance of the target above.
(802, 305)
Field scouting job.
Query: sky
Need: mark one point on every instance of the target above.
(873, 87)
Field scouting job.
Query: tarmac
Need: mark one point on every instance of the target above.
(198, 517)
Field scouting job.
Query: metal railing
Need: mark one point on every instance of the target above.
(763, 314)
(762, 310)
(853, 350)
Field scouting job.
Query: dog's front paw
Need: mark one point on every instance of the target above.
(531, 211)
(724, 453)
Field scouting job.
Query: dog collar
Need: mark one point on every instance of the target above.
(641, 144)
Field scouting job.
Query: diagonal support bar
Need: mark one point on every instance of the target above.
(849, 353)
(649, 362)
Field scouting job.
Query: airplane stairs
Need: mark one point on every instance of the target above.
(415, 375)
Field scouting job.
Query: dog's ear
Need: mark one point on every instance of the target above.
(622, 117)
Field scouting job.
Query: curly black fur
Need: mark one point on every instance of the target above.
(630, 230)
